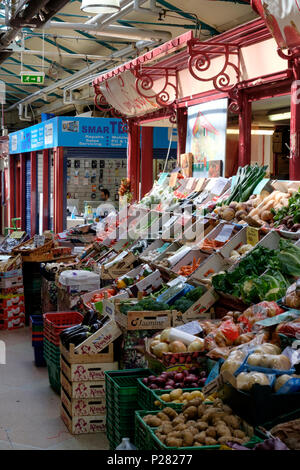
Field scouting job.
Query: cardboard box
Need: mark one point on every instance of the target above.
(107, 355)
(186, 163)
(157, 244)
(148, 285)
(119, 267)
(99, 305)
(10, 282)
(82, 372)
(83, 389)
(83, 424)
(100, 340)
(198, 311)
(144, 320)
(187, 260)
(83, 406)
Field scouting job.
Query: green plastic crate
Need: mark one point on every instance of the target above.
(51, 352)
(54, 376)
(279, 420)
(176, 406)
(146, 397)
(153, 443)
(142, 438)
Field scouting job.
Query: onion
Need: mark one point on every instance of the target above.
(197, 345)
(168, 387)
(201, 382)
(177, 347)
(190, 378)
(153, 344)
(202, 375)
(170, 383)
(153, 387)
(178, 377)
(145, 381)
(151, 378)
(164, 336)
(160, 348)
(186, 372)
(194, 385)
(178, 385)
(160, 381)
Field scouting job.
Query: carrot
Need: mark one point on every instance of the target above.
(194, 263)
(210, 271)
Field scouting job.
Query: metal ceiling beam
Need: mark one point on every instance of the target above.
(169, 6)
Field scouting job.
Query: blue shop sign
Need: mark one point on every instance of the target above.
(79, 132)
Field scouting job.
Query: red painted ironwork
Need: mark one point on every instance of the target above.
(168, 90)
(200, 61)
(133, 158)
(146, 160)
(58, 153)
(182, 130)
(295, 123)
(245, 130)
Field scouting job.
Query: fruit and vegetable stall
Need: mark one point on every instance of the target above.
(176, 324)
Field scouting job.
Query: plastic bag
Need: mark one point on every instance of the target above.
(230, 330)
(290, 329)
(246, 380)
(257, 313)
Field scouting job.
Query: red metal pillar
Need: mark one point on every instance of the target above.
(147, 160)
(133, 160)
(22, 190)
(18, 186)
(11, 210)
(182, 117)
(58, 154)
(45, 189)
(33, 204)
(245, 131)
(295, 123)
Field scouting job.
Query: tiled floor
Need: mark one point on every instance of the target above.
(29, 408)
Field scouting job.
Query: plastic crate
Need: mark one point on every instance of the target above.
(142, 438)
(146, 397)
(151, 441)
(37, 323)
(110, 377)
(279, 420)
(54, 375)
(55, 323)
(39, 359)
(51, 352)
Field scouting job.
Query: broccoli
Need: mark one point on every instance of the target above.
(128, 307)
(153, 305)
(182, 304)
(195, 294)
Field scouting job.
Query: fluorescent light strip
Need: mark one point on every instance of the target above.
(280, 116)
(253, 132)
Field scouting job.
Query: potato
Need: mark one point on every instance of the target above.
(201, 410)
(178, 420)
(197, 394)
(185, 395)
(209, 441)
(195, 402)
(238, 433)
(200, 437)
(176, 434)
(154, 422)
(191, 412)
(165, 397)
(202, 425)
(165, 428)
(211, 432)
(227, 409)
(161, 437)
(188, 438)
(173, 442)
(146, 418)
(197, 444)
(224, 439)
(232, 421)
(161, 415)
(170, 412)
(176, 394)
(191, 423)
(180, 427)
(177, 401)
(237, 440)
(223, 431)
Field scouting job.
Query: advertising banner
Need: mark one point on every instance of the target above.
(283, 20)
(206, 138)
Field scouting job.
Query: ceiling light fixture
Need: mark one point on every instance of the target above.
(100, 6)
(280, 116)
(253, 132)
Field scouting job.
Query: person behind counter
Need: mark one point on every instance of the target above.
(106, 205)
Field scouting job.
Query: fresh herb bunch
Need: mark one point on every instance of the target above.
(292, 210)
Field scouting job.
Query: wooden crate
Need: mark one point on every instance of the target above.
(144, 320)
(82, 424)
(83, 406)
(90, 371)
(15, 262)
(84, 389)
(107, 355)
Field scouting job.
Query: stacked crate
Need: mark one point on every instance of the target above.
(122, 402)
(54, 324)
(12, 304)
(83, 402)
(36, 322)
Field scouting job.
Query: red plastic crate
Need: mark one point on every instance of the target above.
(55, 323)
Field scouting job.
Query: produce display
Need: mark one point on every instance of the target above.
(199, 424)
(175, 341)
(288, 216)
(247, 179)
(175, 381)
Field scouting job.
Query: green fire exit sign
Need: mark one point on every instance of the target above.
(32, 77)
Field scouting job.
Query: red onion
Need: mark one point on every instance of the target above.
(179, 377)
(160, 381)
(168, 387)
(153, 387)
(201, 382)
(151, 378)
(194, 385)
(202, 375)
(191, 378)
(171, 383)
(145, 381)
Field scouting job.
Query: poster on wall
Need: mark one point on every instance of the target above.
(283, 20)
(206, 137)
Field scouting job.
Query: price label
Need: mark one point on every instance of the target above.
(200, 184)
(17, 235)
(252, 235)
(214, 386)
(162, 178)
(225, 233)
(173, 179)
